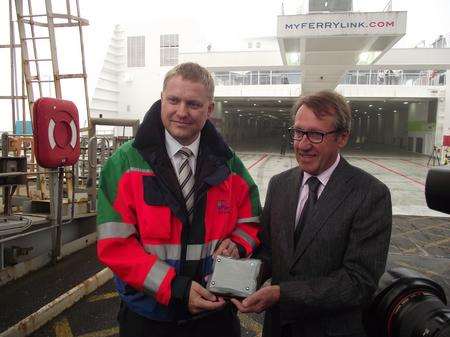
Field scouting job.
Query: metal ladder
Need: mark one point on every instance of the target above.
(50, 20)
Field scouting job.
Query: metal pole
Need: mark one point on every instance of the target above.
(2, 258)
(91, 183)
(23, 107)
(9, 238)
(35, 51)
(5, 192)
(134, 123)
(54, 55)
(86, 94)
(12, 56)
(24, 55)
(58, 235)
(69, 20)
(54, 180)
(6, 189)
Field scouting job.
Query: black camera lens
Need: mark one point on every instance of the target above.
(407, 304)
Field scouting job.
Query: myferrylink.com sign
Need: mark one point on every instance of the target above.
(338, 24)
(379, 23)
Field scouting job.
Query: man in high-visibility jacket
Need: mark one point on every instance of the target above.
(168, 201)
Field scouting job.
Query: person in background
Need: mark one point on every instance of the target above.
(284, 143)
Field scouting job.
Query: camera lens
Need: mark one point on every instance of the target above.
(407, 304)
(419, 314)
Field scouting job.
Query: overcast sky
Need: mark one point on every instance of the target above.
(220, 20)
(426, 19)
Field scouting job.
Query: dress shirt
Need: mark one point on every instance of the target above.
(304, 189)
(173, 146)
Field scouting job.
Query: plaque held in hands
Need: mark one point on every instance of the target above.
(236, 278)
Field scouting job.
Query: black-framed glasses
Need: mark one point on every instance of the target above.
(315, 137)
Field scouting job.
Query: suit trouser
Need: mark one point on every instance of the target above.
(223, 323)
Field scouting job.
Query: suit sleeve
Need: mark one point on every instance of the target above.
(364, 262)
(118, 246)
(247, 227)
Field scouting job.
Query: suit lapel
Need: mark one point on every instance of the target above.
(291, 198)
(332, 196)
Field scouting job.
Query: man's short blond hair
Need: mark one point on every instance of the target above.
(328, 102)
(192, 72)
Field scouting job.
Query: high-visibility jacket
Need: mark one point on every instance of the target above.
(144, 234)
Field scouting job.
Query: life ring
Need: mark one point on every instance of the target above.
(56, 132)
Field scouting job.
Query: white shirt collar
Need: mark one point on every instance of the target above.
(325, 175)
(173, 146)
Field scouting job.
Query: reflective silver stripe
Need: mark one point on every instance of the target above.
(164, 252)
(138, 169)
(155, 276)
(245, 220)
(173, 252)
(194, 252)
(201, 251)
(243, 235)
(110, 230)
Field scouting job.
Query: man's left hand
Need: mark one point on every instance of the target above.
(227, 248)
(260, 300)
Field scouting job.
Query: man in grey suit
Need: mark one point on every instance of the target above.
(327, 227)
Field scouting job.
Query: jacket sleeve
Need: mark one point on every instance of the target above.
(118, 246)
(247, 227)
(363, 263)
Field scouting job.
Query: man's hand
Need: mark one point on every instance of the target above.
(227, 248)
(260, 300)
(201, 299)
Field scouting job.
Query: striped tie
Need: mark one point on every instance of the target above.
(186, 179)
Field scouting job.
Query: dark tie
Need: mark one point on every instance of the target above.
(313, 184)
(186, 179)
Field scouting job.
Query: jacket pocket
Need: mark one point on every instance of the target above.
(154, 215)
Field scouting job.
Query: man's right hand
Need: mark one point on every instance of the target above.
(201, 299)
(227, 248)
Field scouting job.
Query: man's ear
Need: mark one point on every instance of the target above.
(210, 108)
(161, 95)
(342, 139)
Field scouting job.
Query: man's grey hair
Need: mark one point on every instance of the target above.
(327, 102)
(192, 72)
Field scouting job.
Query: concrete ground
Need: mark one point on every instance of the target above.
(420, 239)
(24, 296)
(404, 174)
(415, 245)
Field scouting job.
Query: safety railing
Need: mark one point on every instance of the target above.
(256, 77)
(355, 77)
(395, 77)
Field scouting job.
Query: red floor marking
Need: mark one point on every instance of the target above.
(264, 156)
(393, 171)
(413, 162)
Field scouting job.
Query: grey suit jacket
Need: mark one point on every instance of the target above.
(341, 254)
